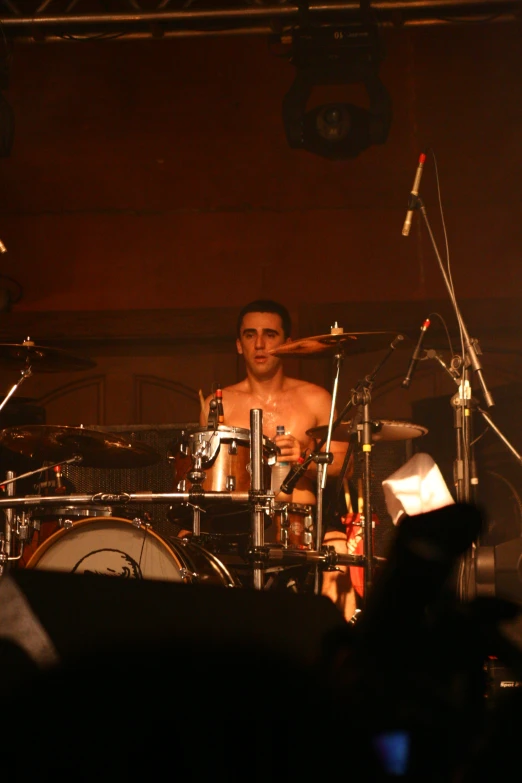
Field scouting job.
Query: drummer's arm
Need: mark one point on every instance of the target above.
(337, 448)
(339, 451)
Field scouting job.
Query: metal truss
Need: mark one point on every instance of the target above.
(80, 19)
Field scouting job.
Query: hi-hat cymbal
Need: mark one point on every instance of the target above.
(15, 356)
(48, 443)
(382, 429)
(347, 342)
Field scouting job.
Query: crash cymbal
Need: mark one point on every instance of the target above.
(328, 344)
(47, 443)
(15, 356)
(382, 429)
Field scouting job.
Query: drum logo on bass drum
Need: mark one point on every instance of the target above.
(111, 562)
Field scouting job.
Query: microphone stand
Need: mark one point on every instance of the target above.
(431, 354)
(462, 402)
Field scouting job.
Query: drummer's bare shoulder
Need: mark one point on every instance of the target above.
(316, 399)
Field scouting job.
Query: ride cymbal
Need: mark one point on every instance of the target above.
(48, 443)
(329, 344)
(382, 429)
(15, 356)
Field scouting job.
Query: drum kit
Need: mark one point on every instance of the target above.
(222, 499)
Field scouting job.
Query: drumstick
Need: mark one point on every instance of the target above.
(360, 496)
(347, 497)
(201, 401)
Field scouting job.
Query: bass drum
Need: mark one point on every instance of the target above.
(46, 521)
(119, 547)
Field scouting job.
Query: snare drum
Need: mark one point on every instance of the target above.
(294, 525)
(46, 520)
(119, 547)
(225, 459)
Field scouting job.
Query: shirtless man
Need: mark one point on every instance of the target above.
(298, 405)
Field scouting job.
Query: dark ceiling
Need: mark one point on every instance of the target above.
(56, 19)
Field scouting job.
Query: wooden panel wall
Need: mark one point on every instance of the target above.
(151, 192)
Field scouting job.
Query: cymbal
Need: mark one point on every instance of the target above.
(15, 356)
(48, 443)
(348, 342)
(382, 429)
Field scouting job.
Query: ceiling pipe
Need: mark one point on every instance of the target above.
(283, 12)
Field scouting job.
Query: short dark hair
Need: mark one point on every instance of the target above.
(266, 306)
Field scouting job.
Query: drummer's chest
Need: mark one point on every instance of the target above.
(288, 412)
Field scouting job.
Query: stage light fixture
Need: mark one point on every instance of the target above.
(339, 56)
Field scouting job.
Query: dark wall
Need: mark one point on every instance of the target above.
(156, 174)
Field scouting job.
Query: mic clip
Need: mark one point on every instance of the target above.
(212, 423)
(414, 201)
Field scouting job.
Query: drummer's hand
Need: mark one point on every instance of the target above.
(290, 448)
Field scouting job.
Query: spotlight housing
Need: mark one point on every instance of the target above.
(336, 56)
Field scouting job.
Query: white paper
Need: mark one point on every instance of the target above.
(415, 488)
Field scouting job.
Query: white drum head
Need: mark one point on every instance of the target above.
(109, 546)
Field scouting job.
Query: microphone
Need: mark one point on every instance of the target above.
(293, 475)
(413, 195)
(212, 421)
(60, 489)
(416, 354)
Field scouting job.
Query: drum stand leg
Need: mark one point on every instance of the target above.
(7, 540)
(196, 520)
(257, 490)
(197, 476)
(9, 516)
(318, 575)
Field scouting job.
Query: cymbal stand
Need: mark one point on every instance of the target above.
(13, 524)
(361, 396)
(322, 462)
(6, 548)
(25, 373)
(8, 529)
(11, 478)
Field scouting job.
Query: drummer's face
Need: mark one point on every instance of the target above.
(260, 332)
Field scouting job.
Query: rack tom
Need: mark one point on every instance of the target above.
(224, 457)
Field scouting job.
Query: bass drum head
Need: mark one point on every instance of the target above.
(117, 547)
